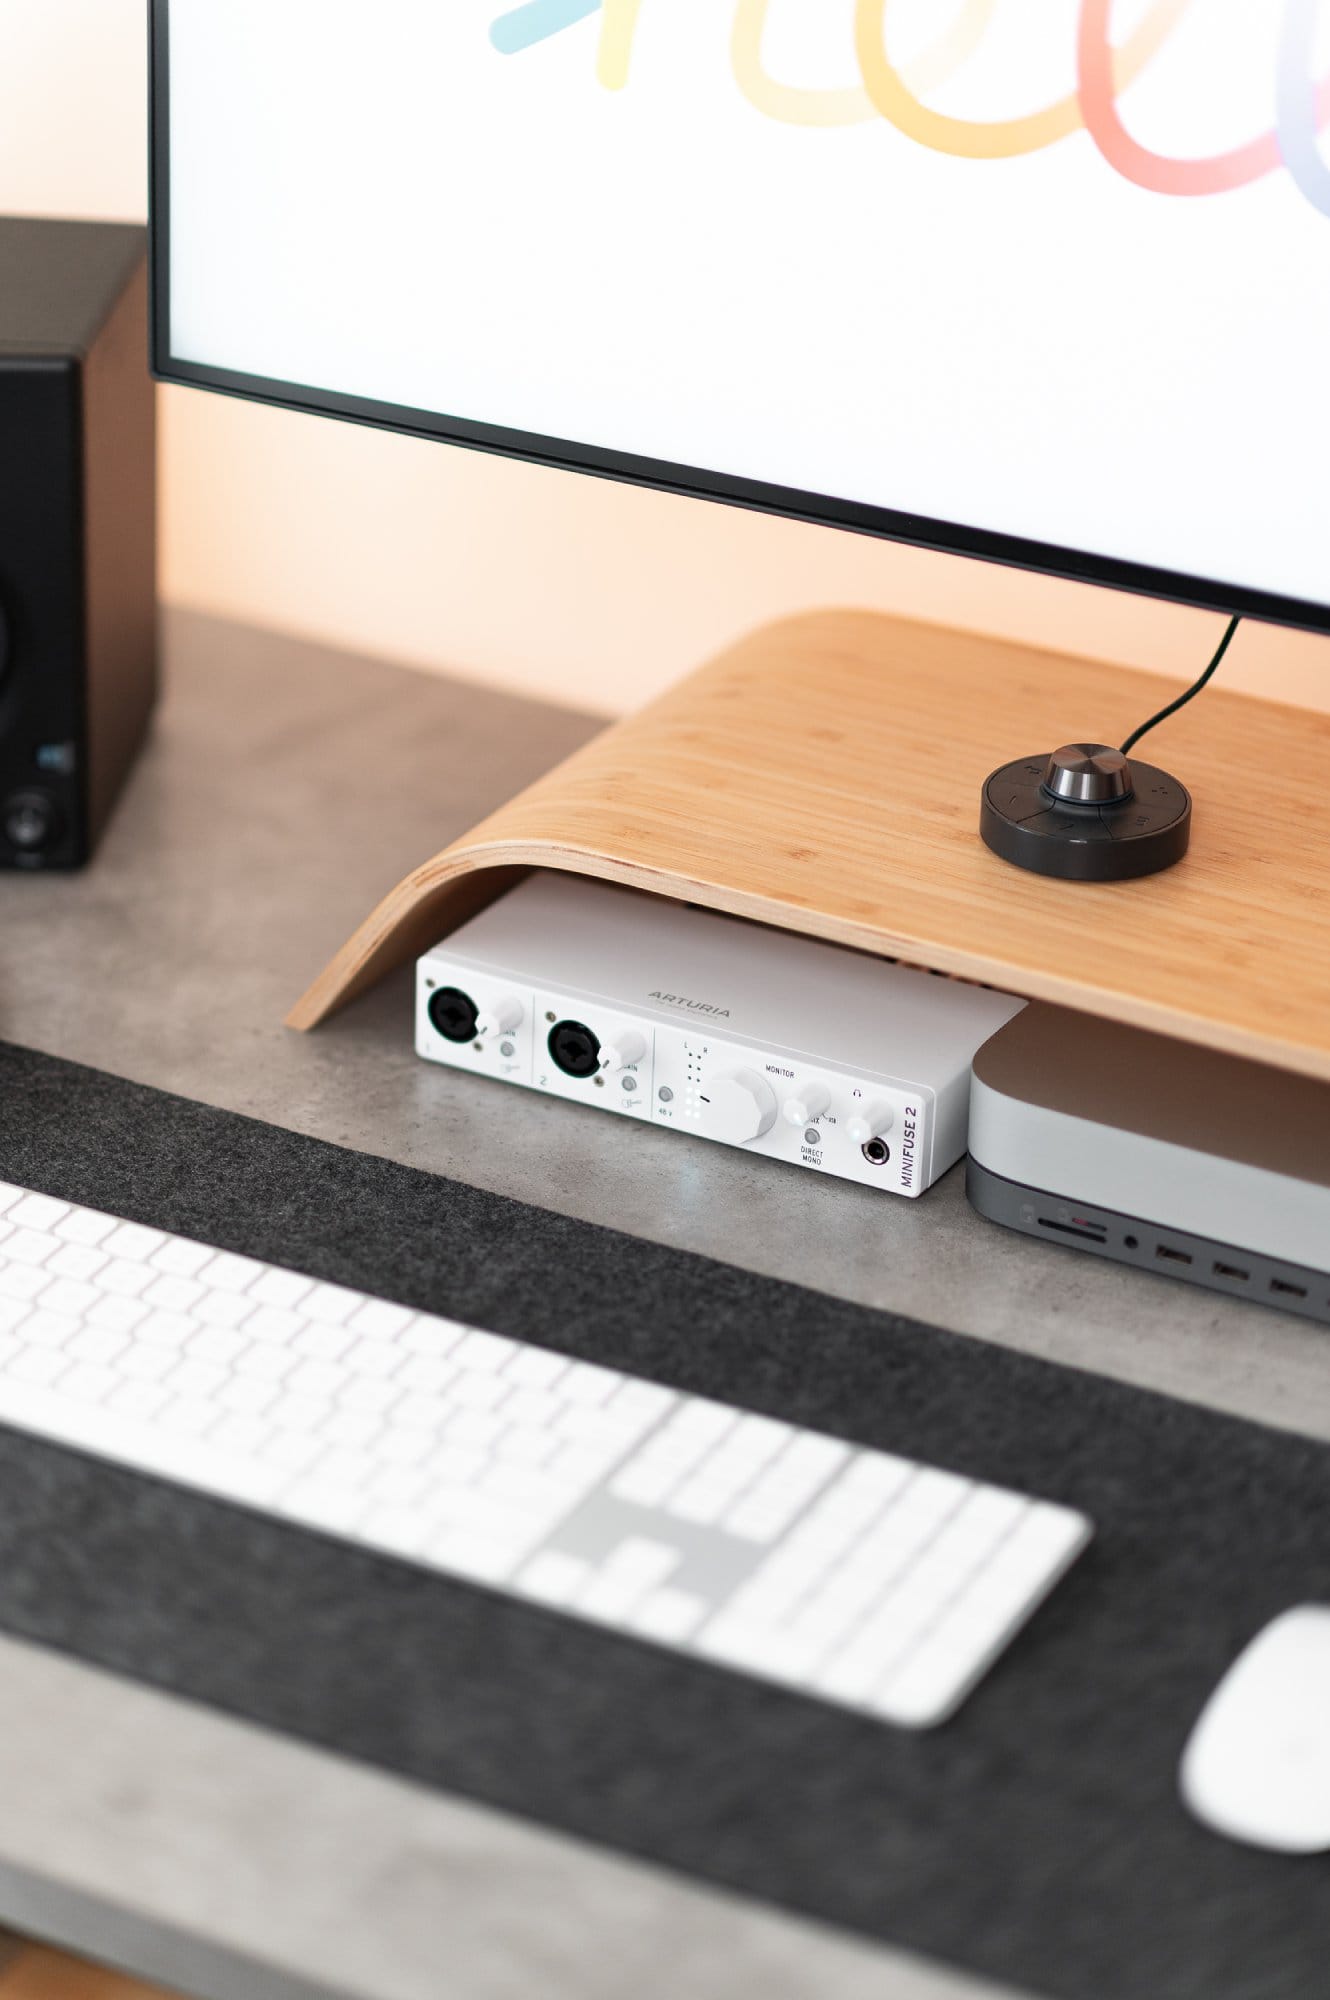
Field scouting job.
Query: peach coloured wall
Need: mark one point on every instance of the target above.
(573, 589)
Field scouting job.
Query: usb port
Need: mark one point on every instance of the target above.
(1289, 1291)
(1230, 1271)
(1168, 1256)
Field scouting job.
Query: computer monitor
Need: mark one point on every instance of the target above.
(1042, 281)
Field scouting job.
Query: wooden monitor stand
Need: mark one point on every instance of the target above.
(824, 774)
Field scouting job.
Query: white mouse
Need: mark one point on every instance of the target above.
(1257, 1764)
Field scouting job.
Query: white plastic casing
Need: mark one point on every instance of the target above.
(737, 1022)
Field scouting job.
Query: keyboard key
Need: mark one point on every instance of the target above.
(222, 1344)
(194, 1378)
(76, 1260)
(143, 1400)
(536, 1368)
(587, 1384)
(269, 1364)
(142, 1362)
(241, 1436)
(86, 1382)
(39, 1366)
(29, 1246)
(330, 1305)
(82, 1225)
(96, 1343)
(485, 1352)
(280, 1288)
(553, 1577)
(49, 1329)
(350, 1426)
(229, 1309)
(247, 1395)
(132, 1243)
(21, 1281)
(381, 1358)
(638, 1566)
(278, 1324)
(668, 1615)
(179, 1258)
(377, 1320)
(173, 1294)
(125, 1279)
(12, 1313)
(229, 1273)
(426, 1371)
(168, 1329)
(427, 1335)
(120, 1314)
(37, 1211)
(68, 1295)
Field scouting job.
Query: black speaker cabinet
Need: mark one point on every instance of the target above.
(78, 638)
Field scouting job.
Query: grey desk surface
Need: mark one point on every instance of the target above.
(286, 787)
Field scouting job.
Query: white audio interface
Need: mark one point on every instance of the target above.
(655, 1010)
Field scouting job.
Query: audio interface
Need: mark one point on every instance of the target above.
(650, 1009)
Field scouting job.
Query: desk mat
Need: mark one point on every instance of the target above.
(1036, 1839)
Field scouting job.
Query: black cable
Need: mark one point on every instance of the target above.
(1191, 693)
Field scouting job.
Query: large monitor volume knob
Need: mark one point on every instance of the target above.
(501, 1017)
(739, 1106)
(807, 1105)
(871, 1121)
(1087, 774)
(621, 1051)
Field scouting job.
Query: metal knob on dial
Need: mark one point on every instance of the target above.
(738, 1107)
(870, 1121)
(500, 1017)
(621, 1051)
(807, 1105)
(1087, 774)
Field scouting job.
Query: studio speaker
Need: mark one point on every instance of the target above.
(78, 640)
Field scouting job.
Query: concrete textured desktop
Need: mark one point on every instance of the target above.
(211, 1853)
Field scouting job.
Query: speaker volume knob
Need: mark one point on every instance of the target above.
(739, 1106)
(1087, 774)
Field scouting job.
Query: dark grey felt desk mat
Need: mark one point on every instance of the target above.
(1037, 1839)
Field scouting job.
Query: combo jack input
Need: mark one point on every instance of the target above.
(453, 1014)
(876, 1151)
(574, 1049)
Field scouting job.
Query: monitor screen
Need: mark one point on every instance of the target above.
(1040, 280)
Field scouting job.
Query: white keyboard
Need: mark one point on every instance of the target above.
(853, 1575)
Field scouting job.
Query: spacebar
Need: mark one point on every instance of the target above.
(188, 1461)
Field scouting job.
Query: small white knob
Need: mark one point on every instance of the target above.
(807, 1105)
(870, 1121)
(621, 1051)
(738, 1107)
(500, 1017)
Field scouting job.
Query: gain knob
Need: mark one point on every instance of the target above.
(807, 1105)
(623, 1049)
(739, 1106)
(500, 1017)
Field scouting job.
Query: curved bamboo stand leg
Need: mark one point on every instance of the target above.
(824, 775)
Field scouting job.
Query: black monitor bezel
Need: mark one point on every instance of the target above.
(947, 537)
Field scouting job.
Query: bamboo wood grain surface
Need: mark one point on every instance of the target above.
(824, 775)
(36, 1972)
